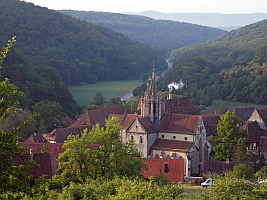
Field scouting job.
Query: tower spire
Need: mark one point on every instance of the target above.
(153, 87)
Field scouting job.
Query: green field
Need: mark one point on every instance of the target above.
(193, 191)
(83, 93)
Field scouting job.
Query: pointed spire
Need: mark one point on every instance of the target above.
(153, 87)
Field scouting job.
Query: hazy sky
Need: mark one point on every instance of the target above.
(165, 6)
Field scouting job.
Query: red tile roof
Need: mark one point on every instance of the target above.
(146, 123)
(178, 123)
(99, 116)
(172, 145)
(175, 168)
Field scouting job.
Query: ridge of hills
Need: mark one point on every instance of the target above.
(239, 44)
(224, 21)
(79, 50)
(164, 34)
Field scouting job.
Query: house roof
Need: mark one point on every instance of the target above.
(59, 135)
(181, 105)
(91, 117)
(244, 113)
(179, 123)
(211, 122)
(36, 137)
(157, 165)
(173, 145)
(263, 114)
(219, 167)
(129, 119)
(254, 131)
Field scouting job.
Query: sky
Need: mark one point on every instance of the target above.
(165, 6)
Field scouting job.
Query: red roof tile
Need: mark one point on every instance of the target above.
(173, 145)
(157, 165)
(148, 126)
(263, 115)
(179, 123)
(254, 131)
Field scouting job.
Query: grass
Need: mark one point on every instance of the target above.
(83, 93)
(193, 191)
(230, 104)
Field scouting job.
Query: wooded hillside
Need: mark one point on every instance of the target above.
(225, 50)
(79, 50)
(164, 34)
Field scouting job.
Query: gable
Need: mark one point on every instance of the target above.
(136, 127)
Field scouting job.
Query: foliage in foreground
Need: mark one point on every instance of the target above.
(228, 187)
(118, 188)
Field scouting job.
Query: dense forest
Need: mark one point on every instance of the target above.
(242, 82)
(164, 34)
(225, 50)
(79, 50)
(38, 82)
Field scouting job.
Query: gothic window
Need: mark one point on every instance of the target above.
(132, 137)
(200, 150)
(141, 139)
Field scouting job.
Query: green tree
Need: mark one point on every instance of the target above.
(99, 99)
(51, 115)
(112, 157)
(224, 144)
(12, 178)
(240, 151)
(243, 171)
(262, 173)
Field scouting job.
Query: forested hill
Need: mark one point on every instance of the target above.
(79, 50)
(225, 50)
(164, 34)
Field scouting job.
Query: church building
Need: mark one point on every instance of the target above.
(167, 128)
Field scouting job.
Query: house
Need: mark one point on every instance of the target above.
(244, 114)
(172, 168)
(36, 137)
(211, 122)
(260, 116)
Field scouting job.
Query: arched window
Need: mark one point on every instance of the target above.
(141, 139)
(166, 168)
(200, 150)
(132, 137)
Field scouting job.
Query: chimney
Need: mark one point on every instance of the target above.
(170, 95)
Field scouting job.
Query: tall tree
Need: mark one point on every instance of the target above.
(99, 99)
(12, 178)
(224, 144)
(99, 153)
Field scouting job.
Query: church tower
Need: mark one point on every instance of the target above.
(152, 105)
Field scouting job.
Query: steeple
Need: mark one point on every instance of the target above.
(153, 88)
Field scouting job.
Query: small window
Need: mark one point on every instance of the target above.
(162, 136)
(174, 137)
(141, 139)
(166, 168)
(157, 156)
(185, 138)
(132, 137)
